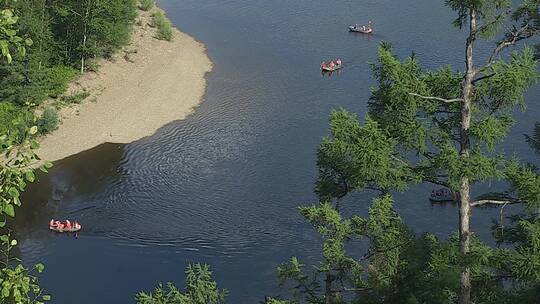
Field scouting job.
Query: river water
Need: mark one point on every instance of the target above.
(222, 186)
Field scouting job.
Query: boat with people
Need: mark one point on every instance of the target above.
(64, 226)
(331, 65)
(443, 195)
(364, 29)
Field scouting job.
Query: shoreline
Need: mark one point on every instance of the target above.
(144, 86)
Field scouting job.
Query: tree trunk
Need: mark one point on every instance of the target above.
(465, 190)
(84, 46)
(328, 289)
(41, 35)
(83, 55)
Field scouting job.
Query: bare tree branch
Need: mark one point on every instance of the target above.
(513, 37)
(494, 202)
(437, 98)
(483, 77)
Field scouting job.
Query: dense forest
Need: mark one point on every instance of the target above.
(60, 40)
(437, 127)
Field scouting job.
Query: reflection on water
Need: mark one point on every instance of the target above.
(222, 186)
(67, 191)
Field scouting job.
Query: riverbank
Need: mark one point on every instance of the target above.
(148, 84)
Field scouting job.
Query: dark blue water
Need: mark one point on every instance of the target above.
(222, 186)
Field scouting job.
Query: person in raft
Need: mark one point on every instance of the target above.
(54, 223)
(323, 65)
(67, 225)
(338, 61)
(332, 64)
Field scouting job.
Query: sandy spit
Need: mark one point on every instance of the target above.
(145, 86)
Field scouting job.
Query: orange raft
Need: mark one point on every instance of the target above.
(64, 226)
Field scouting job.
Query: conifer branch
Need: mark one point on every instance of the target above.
(437, 98)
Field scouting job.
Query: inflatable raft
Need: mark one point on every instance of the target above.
(64, 226)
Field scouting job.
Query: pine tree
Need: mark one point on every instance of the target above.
(442, 127)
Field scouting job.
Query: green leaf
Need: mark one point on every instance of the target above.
(46, 297)
(5, 292)
(9, 210)
(13, 192)
(33, 130)
(39, 267)
(14, 242)
(34, 145)
(17, 201)
(30, 176)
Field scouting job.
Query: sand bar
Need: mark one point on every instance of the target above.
(147, 85)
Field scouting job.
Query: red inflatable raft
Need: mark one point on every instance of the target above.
(64, 226)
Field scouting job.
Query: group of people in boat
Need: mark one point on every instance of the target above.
(332, 64)
(336, 63)
(364, 28)
(66, 225)
(441, 192)
(443, 195)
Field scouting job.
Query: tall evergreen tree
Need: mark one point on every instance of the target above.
(442, 126)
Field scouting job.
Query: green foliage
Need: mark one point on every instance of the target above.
(534, 139)
(57, 79)
(9, 38)
(163, 25)
(48, 121)
(525, 183)
(504, 90)
(493, 14)
(105, 24)
(417, 131)
(17, 283)
(358, 156)
(147, 5)
(8, 113)
(340, 271)
(200, 289)
(75, 98)
(57, 30)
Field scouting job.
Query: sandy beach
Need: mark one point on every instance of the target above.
(145, 86)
